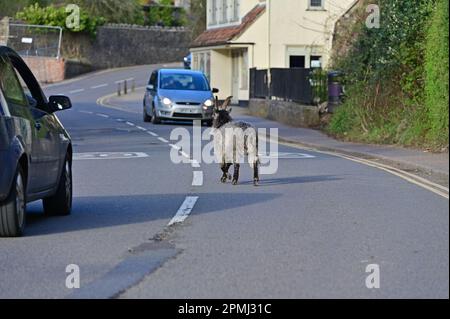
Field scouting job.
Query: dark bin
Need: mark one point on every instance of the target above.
(335, 90)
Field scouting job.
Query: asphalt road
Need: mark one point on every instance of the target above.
(308, 231)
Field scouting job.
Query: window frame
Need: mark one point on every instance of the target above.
(316, 8)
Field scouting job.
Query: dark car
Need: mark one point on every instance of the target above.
(187, 61)
(177, 94)
(35, 149)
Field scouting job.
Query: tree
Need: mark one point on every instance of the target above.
(197, 17)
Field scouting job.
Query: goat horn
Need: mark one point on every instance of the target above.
(226, 103)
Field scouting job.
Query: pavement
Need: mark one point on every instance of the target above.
(312, 229)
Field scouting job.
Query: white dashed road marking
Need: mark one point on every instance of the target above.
(153, 134)
(99, 86)
(108, 155)
(130, 124)
(176, 147)
(184, 210)
(197, 179)
(103, 115)
(76, 91)
(141, 128)
(86, 112)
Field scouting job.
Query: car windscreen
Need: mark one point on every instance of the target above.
(182, 81)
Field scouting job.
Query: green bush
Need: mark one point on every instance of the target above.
(436, 77)
(397, 77)
(56, 16)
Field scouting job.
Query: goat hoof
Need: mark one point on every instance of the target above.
(256, 182)
(234, 182)
(223, 179)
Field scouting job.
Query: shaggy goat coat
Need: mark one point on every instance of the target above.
(235, 140)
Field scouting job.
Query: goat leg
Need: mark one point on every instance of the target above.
(225, 167)
(236, 174)
(256, 173)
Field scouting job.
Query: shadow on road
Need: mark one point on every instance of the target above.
(294, 180)
(102, 212)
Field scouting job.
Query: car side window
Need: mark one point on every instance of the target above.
(10, 84)
(153, 79)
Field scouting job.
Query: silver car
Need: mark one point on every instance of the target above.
(177, 94)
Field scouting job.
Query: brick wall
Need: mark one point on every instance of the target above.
(46, 70)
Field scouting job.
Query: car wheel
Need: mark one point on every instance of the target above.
(60, 204)
(12, 211)
(155, 118)
(146, 117)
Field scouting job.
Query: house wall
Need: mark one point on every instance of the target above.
(295, 29)
(221, 73)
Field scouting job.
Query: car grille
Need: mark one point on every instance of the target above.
(188, 115)
(188, 103)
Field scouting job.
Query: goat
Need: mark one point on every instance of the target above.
(232, 141)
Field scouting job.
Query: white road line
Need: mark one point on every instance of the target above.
(184, 210)
(195, 163)
(178, 148)
(99, 86)
(86, 112)
(120, 120)
(76, 91)
(162, 139)
(183, 153)
(103, 115)
(130, 124)
(152, 134)
(197, 179)
(141, 128)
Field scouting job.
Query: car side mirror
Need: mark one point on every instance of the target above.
(59, 103)
(214, 90)
(150, 87)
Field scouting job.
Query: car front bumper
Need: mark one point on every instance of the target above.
(184, 112)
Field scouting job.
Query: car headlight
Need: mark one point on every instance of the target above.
(166, 101)
(208, 103)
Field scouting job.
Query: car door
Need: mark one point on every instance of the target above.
(22, 118)
(151, 90)
(45, 127)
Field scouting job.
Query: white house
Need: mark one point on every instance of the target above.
(244, 34)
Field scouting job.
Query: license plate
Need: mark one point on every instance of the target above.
(189, 111)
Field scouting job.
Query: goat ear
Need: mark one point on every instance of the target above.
(226, 103)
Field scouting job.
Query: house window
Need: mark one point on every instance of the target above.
(212, 12)
(235, 10)
(315, 61)
(244, 70)
(315, 4)
(297, 61)
(224, 11)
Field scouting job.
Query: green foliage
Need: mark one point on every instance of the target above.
(10, 8)
(436, 68)
(56, 16)
(392, 73)
(113, 11)
(197, 18)
(166, 15)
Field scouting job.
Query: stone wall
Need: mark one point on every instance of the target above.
(289, 113)
(123, 45)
